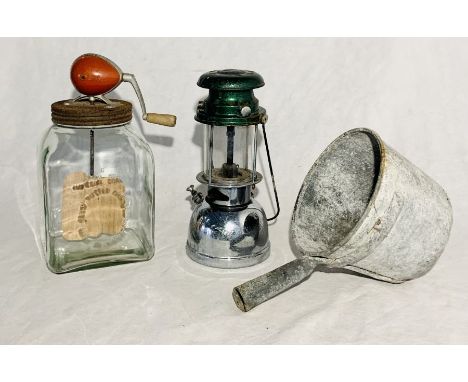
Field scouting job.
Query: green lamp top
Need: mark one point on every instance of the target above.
(231, 101)
(231, 79)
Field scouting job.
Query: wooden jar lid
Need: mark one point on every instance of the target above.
(85, 113)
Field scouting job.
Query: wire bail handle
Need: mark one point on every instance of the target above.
(263, 122)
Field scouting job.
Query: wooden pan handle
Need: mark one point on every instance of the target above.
(161, 119)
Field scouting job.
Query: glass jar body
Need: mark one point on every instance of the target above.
(98, 193)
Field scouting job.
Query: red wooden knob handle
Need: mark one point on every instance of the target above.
(92, 74)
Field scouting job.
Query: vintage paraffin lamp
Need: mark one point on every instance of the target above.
(229, 229)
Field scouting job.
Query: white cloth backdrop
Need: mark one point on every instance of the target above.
(413, 92)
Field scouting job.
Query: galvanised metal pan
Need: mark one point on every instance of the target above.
(363, 207)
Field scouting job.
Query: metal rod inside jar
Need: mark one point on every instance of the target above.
(91, 152)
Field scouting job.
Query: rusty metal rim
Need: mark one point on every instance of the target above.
(84, 127)
(226, 183)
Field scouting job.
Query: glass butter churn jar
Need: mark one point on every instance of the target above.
(97, 174)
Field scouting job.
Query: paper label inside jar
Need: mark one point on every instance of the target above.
(92, 206)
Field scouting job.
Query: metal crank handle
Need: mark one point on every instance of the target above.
(94, 76)
(252, 293)
(159, 119)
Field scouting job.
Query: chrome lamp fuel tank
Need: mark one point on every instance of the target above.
(228, 229)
